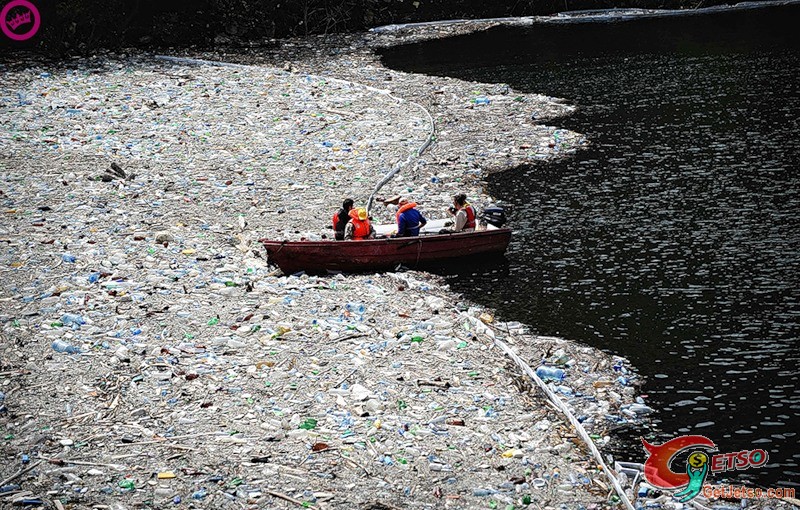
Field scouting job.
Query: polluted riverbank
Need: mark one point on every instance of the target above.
(152, 358)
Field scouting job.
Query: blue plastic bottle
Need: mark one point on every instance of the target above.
(62, 346)
(551, 373)
(72, 319)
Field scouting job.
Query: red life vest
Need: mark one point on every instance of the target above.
(404, 208)
(360, 227)
(470, 216)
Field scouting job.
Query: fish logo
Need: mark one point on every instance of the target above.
(657, 467)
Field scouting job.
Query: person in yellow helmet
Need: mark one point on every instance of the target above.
(359, 227)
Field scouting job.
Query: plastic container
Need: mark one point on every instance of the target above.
(62, 346)
(199, 494)
(72, 319)
(550, 373)
(357, 308)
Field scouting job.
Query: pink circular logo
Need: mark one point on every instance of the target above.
(23, 23)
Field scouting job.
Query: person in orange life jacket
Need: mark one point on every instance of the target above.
(409, 220)
(464, 213)
(340, 219)
(359, 227)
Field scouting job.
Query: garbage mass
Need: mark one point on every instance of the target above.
(151, 357)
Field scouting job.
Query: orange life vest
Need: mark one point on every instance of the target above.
(360, 227)
(403, 209)
(470, 216)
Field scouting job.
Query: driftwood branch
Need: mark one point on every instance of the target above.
(20, 473)
(289, 499)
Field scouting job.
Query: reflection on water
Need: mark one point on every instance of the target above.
(675, 239)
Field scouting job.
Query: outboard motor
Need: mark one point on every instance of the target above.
(495, 215)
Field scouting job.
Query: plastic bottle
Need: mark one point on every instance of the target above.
(62, 346)
(437, 466)
(127, 484)
(357, 308)
(551, 373)
(29, 502)
(72, 319)
(565, 390)
(637, 409)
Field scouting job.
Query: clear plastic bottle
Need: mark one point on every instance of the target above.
(356, 308)
(72, 319)
(62, 346)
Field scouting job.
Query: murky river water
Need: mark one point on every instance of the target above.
(675, 239)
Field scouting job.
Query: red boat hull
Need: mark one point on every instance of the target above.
(381, 254)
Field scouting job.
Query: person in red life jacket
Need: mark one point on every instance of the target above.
(464, 213)
(409, 219)
(359, 227)
(340, 219)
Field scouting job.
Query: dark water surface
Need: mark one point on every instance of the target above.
(674, 240)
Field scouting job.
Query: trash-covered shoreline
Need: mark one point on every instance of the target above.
(150, 355)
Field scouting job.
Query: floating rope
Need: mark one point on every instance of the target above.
(560, 405)
(414, 155)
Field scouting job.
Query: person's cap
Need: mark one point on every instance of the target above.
(362, 213)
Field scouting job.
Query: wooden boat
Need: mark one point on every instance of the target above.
(385, 253)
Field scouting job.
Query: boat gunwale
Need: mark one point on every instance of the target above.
(386, 240)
